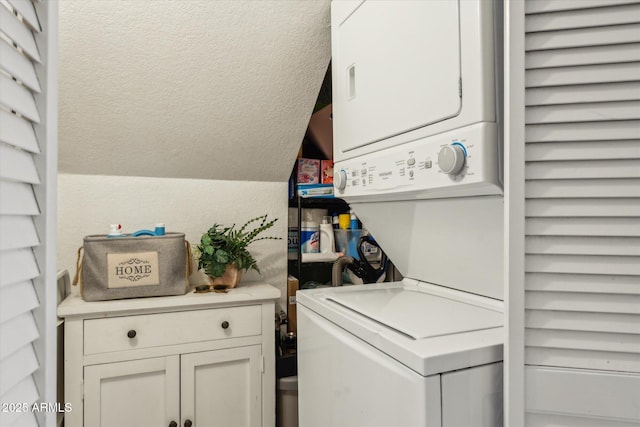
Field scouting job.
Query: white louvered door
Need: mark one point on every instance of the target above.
(582, 213)
(28, 167)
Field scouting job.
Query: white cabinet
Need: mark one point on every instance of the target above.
(144, 393)
(200, 360)
(222, 388)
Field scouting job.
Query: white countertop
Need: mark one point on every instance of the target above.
(244, 293)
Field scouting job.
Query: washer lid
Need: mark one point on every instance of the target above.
(417, 314)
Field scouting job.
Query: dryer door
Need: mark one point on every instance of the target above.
(391, 62)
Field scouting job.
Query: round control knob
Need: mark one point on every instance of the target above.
(451, 159)
(131, 333)
(340, 179)
(225, 325)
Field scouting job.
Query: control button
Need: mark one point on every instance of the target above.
(451, 159)
(354, 182)
(411, 174)
(428, 164)
(363, 172)
(354, 173)
(340, 179)
(411, 161)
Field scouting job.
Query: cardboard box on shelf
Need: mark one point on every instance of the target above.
(308, 171)
(326, 171)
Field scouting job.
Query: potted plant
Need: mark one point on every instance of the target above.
(223, 250)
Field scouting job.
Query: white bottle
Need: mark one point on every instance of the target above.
(309, 235)
(327, 241)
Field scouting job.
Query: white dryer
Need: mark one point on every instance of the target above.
(418, 153)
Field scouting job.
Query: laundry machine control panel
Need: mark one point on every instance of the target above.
(464, 162)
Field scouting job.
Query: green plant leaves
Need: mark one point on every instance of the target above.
(222, 256)
(222, 245)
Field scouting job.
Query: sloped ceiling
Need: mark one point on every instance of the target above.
(187, 88)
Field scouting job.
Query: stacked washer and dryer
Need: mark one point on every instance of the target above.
(417, 150)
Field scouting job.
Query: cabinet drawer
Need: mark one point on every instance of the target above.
(154, 330)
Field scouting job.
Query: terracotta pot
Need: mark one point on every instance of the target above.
(231, 277)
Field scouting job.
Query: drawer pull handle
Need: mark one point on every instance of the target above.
(225, 325)
(173, 424)
(131, 333)
(188, 423)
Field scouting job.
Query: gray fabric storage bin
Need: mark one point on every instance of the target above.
(133, 267)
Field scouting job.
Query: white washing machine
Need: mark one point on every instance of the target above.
(418, 157)
(398, 355)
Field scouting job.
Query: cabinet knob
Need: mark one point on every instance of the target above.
(173, 424)
(131, 333)
(225, 325)
(188, 423)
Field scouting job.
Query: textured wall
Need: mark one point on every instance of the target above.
(189, 88)
(185, 112)
(87, 204)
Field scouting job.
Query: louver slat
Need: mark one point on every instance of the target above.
(583, 245)
(590, 226)
(583, 169)
(17, 299)
(569, 188)
(25, 391)
(18, 66)
(598, 131)
(15, 367)
(611, 284)
(586, 302)
(583, 359)
(583, 37)
(541, 208)
(570, 264)
(17, 333)
(582, 321)
(22, 197)
(19, 34)
(27, 11)
(17, 131)
(18, 232)
(583, 56)
(572, 340)
(592, 150)
(25, 267)
(588, 112)
(27, 419)
(584, 74)
(578, 94)
(582, 18)
(17, 98)
(541, 6)
(17, 165)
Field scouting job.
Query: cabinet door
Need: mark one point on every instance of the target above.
(137, 393)
(222, 388)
